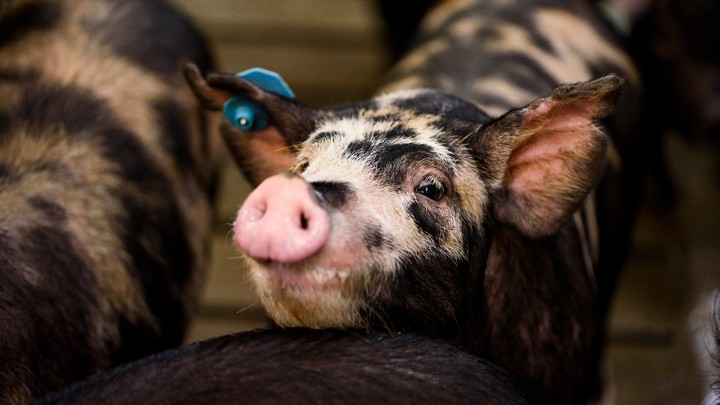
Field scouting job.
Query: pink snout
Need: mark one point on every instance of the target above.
(281, 221)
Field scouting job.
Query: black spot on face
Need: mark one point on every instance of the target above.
(334, 193)
(393, 161)
(381, 118)
(424, 220)
(381, 153)
(326, 136)
(446, 107)
(347, 110)
(359, 150)
(397, 132)
(374, 238)
(390, 161)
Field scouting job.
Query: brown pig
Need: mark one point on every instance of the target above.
(106, 183)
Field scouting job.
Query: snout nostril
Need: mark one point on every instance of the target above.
(303, 222)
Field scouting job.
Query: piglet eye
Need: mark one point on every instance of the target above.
(431, 188)
(300, 167)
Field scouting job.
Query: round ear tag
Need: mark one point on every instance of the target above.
(248, 114)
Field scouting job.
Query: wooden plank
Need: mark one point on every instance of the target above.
(205, 327)
(337, 57)
(345, 22)
(232, 192)
(227, 285)
(315, 74)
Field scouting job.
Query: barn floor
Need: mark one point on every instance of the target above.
(334, 53)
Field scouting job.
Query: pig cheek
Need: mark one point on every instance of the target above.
(344, 250)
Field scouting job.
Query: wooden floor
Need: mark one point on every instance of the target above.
(332, 51)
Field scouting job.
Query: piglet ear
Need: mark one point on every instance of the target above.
(271, 150)
(549, 155)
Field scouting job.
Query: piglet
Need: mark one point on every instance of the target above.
(417, 211)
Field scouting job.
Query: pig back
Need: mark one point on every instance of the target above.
(303, 366)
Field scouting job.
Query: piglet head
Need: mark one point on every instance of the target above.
(388, 210)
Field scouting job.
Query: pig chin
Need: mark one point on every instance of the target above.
(314, 297)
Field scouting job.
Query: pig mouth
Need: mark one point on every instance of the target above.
(314, 297)
(283, 276)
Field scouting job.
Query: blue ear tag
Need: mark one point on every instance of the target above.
(247, 114)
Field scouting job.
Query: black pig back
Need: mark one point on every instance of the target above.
(303, 366)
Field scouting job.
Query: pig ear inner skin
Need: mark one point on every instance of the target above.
(550, 155)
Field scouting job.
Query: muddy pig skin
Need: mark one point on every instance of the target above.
(303, 367)
(106, 179)
(477, 198)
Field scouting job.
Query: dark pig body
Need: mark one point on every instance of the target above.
(477, 200)
(303, 367)
(675, 44)
(106, 184)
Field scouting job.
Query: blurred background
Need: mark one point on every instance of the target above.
(336, 51)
